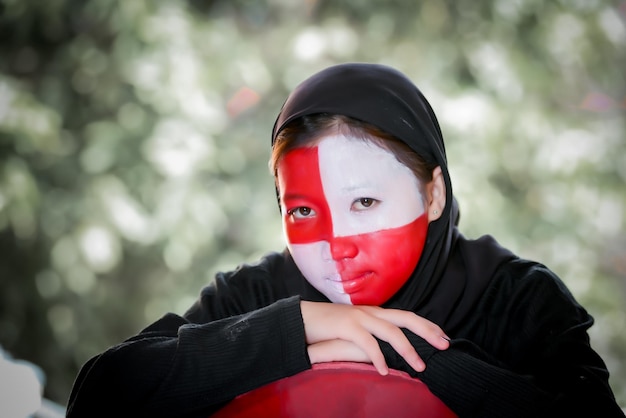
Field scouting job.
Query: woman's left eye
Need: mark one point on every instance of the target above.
(364, 203)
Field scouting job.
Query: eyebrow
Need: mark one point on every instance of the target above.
(295, 196)
(359, 187)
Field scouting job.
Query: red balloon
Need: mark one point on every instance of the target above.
(339, 390)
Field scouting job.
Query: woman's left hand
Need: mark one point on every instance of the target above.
(338, 332)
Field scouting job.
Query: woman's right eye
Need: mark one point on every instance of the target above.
(301, 212)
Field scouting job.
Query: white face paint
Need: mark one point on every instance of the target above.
(351, 214)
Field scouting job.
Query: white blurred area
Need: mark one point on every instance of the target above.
(21, 389)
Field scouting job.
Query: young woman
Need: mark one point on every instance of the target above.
(375, 271)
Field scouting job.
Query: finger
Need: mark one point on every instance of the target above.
(389, 332)
(336, 350)
(420, 326)
(366, 342)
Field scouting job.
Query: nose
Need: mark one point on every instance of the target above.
(342, 248)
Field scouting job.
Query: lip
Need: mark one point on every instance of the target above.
(351, 284)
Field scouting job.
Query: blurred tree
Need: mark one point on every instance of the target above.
(134, 139)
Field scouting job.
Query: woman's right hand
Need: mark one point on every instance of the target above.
(337, 332)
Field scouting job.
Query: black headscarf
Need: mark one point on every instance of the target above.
(452, 273)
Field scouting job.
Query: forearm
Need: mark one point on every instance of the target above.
(248, 352)
(472, 384)
(195, 369)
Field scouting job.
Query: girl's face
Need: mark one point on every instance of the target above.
(354, 218)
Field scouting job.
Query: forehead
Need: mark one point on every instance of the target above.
(356, 159)
(344, 166)
(344, 162)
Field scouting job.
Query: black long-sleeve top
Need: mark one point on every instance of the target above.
(523, 352)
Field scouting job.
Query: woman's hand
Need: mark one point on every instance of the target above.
(338, 332)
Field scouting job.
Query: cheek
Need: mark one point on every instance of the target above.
(315, 265)
(389, 257)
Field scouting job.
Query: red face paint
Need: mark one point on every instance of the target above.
(302, 186)
(384, 261)
(370, 262)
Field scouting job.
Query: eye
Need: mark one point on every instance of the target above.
(301, 212)
(364, 203)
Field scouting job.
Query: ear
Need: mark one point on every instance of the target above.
(436, 195)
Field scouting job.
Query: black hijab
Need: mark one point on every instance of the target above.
(452, 272)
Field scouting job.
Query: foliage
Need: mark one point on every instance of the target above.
(134, 139)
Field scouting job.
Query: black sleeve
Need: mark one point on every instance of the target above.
(545, 366)
(470, 384)
(177, 368)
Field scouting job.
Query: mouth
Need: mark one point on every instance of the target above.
(350, 283)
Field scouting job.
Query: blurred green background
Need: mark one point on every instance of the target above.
(134, 139)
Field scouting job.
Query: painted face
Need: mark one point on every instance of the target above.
(354, 219)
